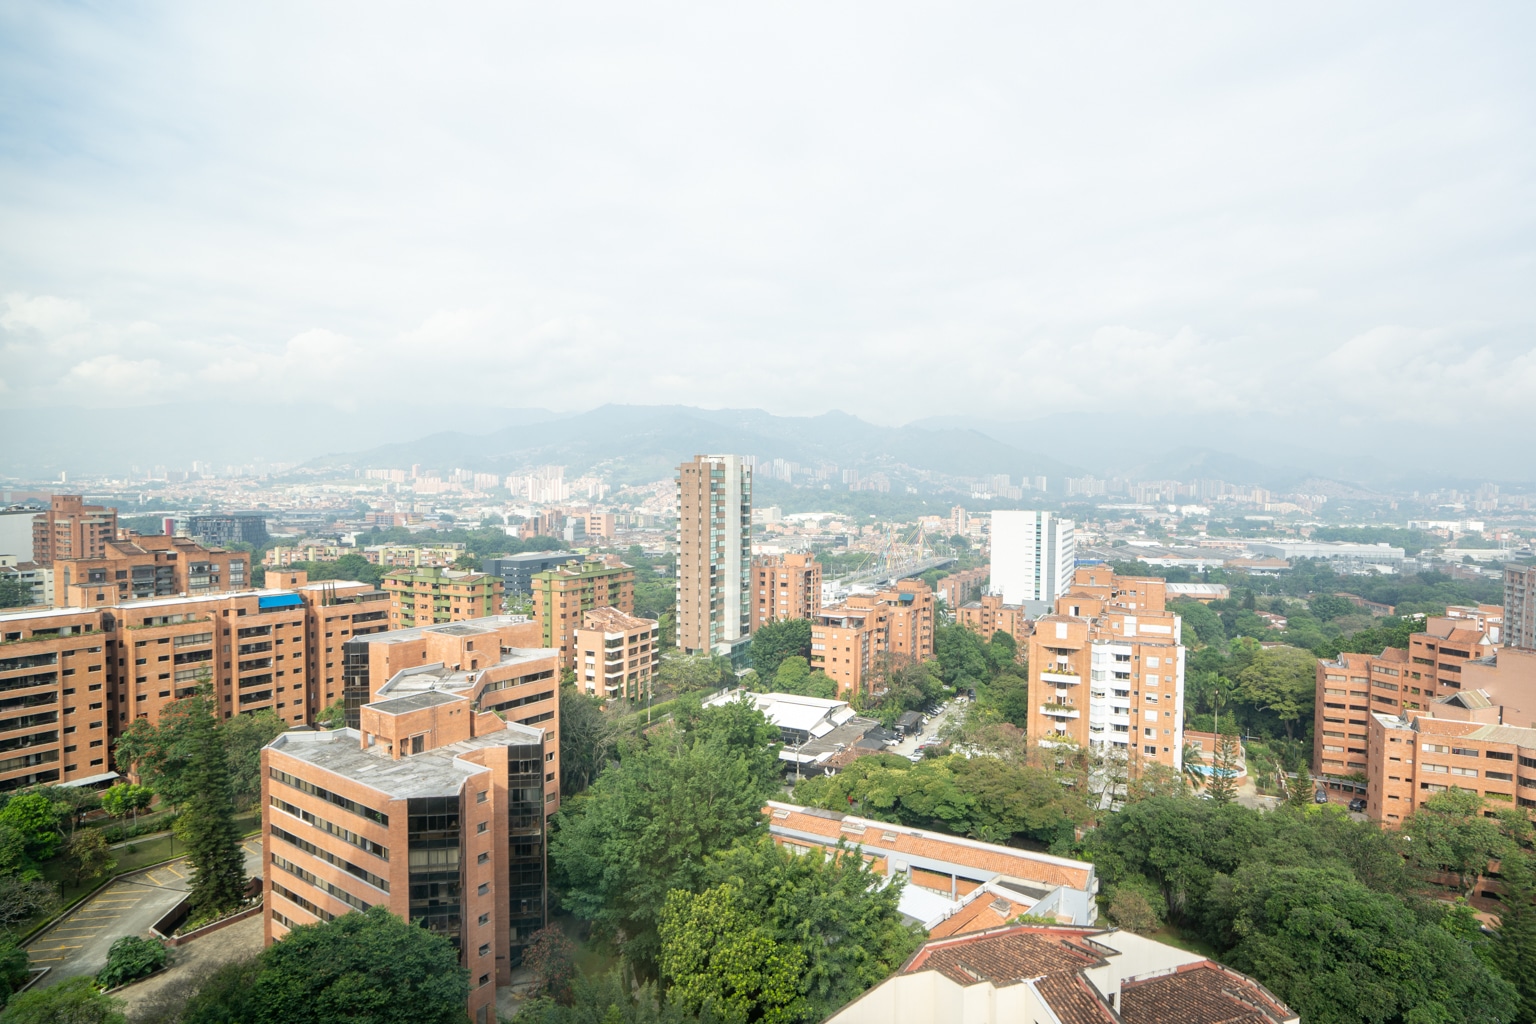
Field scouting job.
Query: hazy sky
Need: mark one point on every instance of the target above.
(899, 211)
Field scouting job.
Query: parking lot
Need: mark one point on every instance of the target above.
(78, 944)
(909, 744)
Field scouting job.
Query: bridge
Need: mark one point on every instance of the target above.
(890, 574)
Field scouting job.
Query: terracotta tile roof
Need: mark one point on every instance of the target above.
(987, 910)
(1006, 956)
(1073, 1001)
(985, 859)
(1200, 993)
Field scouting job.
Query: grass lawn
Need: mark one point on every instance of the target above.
(1174, 937)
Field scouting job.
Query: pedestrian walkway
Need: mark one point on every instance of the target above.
(78, 944)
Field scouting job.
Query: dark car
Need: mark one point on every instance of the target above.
(1357, 805)
(1320, 797)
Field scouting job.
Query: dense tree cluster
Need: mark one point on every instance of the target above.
(667, 856)
(1321, 909)
(992, 798)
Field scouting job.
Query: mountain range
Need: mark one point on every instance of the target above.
(636, 443)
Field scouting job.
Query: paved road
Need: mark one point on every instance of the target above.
(129, 906)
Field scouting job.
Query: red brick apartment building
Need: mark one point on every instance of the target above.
(617, 655)
(564, 595)
(1107, 669)
(136, 568)
(966, 585)
(494, 663)
(72, 529)
(785, 587)
(1480, 738)
(989, 615)
(433, 808)
(71, 679)
(849, 640)
(1396, 682)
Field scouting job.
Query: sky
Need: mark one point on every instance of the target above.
(1321, 214)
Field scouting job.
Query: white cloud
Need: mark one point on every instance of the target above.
(999, 211)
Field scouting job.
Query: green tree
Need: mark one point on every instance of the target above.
(333, 715)
(1282, 681)
(35, 821)
(775, 641)
(687, 673)
(1338, 952)
(1514, 941)
(72, 1001)
(243, 737)
(13, 967)
(1221, 785)
(717, 959)
(1449, 834)
(88, 854)
(369, 966)
(836, 910)
(13, 592)
(131, 958)
(208, 822)
(126, 798)
(587, 738)
(644, 828)
(224, 996)
(962, 657)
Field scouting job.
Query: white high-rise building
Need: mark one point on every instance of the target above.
(1033, 556)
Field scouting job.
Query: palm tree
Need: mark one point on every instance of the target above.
(1192, 764)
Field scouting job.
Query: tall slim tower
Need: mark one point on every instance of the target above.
(1520, 606)
(1033, 556)
(714, 553)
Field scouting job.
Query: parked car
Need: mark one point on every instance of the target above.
(1320, 797)
(1357, 805)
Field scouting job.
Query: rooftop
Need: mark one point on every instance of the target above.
(441, 771)
(611, 620)
(468, 627)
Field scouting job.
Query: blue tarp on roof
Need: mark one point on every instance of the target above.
(278, 601)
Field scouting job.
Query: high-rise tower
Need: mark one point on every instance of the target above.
(714, 553)
(1033, 557)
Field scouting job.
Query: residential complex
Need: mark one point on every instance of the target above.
(285, 555)
(959, 587)
(69, 528)
(413, 556)
(135, 568)
(854, 642)
(1064, 975)
(422, 597)
(432, 807)
(990, 615)
(714, 554)
(71, 679)
(785, 587)
(562, 596)
(1396, 682)
(1114, 633)
(1033, 557)
(617, 655)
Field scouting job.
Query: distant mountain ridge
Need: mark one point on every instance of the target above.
(634, 444)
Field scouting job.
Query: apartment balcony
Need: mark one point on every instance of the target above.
(1060, 711)
(1061, 678)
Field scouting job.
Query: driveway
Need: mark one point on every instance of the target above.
(78, 944)
(931, 729)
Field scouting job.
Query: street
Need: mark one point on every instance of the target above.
(931, 729)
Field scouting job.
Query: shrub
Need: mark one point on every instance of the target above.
(129, 959)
